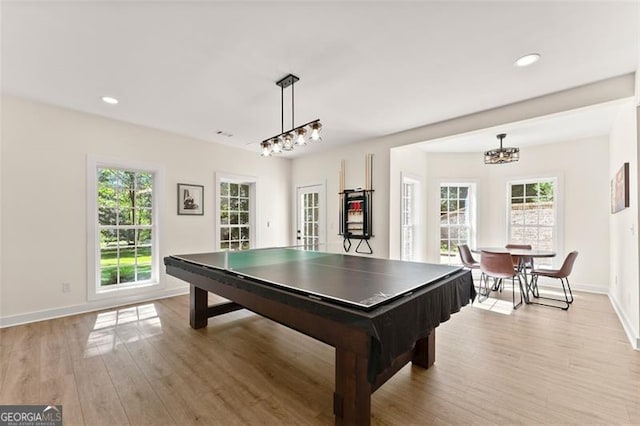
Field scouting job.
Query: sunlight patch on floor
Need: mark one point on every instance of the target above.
(114, 328)
(124, 316)
(494, 305)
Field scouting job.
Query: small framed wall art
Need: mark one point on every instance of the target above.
(190, 199)
(620, 189)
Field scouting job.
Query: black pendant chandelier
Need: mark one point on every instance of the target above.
(296, 136)
(501, 155)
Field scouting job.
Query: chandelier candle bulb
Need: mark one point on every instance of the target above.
(315, 131)
(266, 149)
(287, 145)
(276, 145)
(300, 140)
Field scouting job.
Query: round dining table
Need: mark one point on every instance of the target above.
(520, 255)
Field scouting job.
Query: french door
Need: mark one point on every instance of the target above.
(311, 217)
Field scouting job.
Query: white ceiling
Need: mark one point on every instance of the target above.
(572, 125)
(367, 69)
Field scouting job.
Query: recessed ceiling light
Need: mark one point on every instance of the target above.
(109, 100)
(527, 60)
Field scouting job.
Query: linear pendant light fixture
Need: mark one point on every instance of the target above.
(296, 136)
(501, 155)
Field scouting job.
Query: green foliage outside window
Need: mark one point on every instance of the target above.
(454, 218)
(234, 216)
(125, 214)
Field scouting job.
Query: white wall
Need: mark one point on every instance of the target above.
(457, 167)
(32, 131)
(623, 226)
(325, 167)
(44, 161)
(582, 167)
(408, 162)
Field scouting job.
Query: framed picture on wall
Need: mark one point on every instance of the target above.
(620, 189)
(190, 199)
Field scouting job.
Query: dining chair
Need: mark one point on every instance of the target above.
(498, 265)
(467, 258)
(562, 274)
(526, 262)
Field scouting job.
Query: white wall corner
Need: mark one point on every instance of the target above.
(629, 329)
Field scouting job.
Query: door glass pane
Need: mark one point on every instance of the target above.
(244, 233)
(244, 218)
(308, 217)
(224, 217)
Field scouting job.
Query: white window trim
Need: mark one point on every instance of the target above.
(253, 201)
(473, 210)
(93, 247)
(417, 213)
(558, 205)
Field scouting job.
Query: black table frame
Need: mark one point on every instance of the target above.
(352, 340)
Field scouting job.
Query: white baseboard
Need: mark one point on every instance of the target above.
(629, 329)
(586, 288)
(551, 283)
(91, 306)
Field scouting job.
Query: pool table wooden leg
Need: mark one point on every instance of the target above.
(198, 304)
(352, 397)
(424, 352)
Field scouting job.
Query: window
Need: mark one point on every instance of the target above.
(234, 216)
(123, 228)
(408, 204)
(235, 211)
(457, 220)
(532, 214)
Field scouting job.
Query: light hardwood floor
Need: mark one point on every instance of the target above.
(142, 364)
